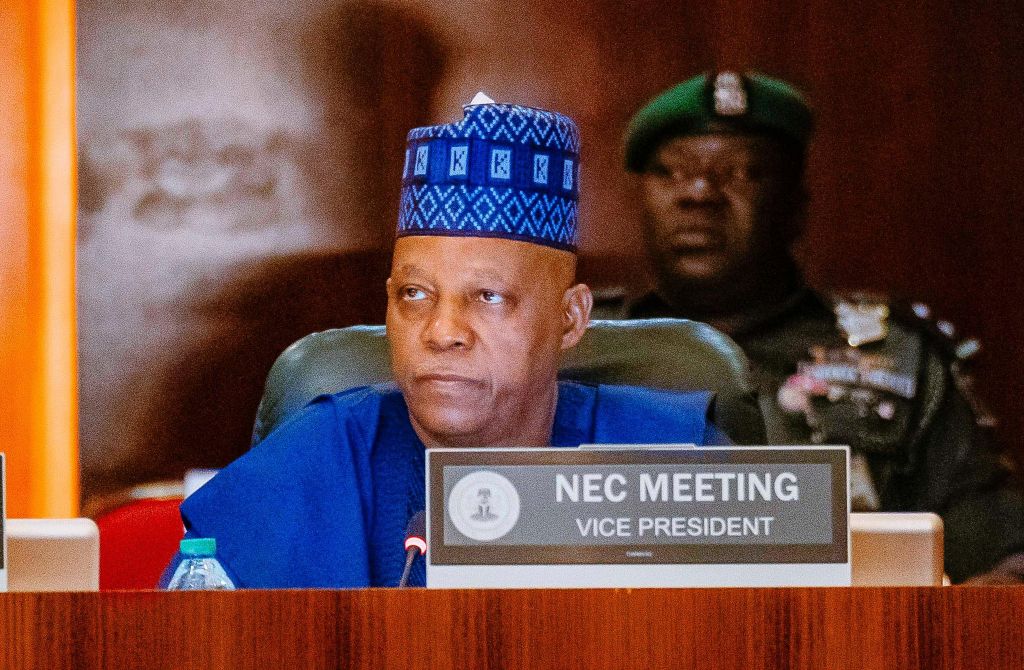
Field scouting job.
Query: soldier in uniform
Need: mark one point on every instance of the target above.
(720, 165)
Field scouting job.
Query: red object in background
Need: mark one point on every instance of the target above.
(137, 541)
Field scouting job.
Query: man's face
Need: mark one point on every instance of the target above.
(714, 206)
(476, 328)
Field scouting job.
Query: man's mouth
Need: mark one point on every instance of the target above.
(696, 239)
(442, 380)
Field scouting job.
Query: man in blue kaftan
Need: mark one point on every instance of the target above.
(482, 302)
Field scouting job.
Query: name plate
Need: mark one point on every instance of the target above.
(639, 517)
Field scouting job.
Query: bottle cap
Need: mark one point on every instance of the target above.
(199, 546)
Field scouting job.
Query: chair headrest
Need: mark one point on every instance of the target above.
(673, 354)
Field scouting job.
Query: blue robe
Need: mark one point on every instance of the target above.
(324, 500)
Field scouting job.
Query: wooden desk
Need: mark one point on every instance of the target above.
(957, 627)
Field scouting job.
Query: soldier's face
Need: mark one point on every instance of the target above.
(712, 205)
(476, 328)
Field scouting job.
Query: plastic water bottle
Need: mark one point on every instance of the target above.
(199, 569)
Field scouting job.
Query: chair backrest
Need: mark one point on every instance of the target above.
(673, 354)
(138, 539)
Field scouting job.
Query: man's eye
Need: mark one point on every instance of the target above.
(491, 298)
(413, 293)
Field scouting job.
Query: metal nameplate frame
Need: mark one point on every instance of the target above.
(534, 537)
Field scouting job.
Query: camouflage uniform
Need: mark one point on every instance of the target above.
(900, 399)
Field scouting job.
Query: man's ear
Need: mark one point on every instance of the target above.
(576, 304)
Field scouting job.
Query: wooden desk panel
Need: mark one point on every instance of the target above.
(958, 627)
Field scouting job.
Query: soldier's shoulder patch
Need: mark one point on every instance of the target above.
(955, 351)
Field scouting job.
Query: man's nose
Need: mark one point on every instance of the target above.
(698, 189)
(448, 328)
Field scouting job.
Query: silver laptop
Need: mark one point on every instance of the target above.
(896, 549)
(53, 555)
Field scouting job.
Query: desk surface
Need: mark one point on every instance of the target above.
(951, 627)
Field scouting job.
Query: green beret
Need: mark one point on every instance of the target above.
(748, 103)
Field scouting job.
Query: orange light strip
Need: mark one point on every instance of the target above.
(55, 453)
(38, 369)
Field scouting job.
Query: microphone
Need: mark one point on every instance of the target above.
(415, 543)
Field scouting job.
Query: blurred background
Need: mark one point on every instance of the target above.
(239, 168)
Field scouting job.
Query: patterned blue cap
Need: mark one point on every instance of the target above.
(502, 171)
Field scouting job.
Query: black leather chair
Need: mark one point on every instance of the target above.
(658, 353)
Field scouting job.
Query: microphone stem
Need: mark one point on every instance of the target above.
(410, 556)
